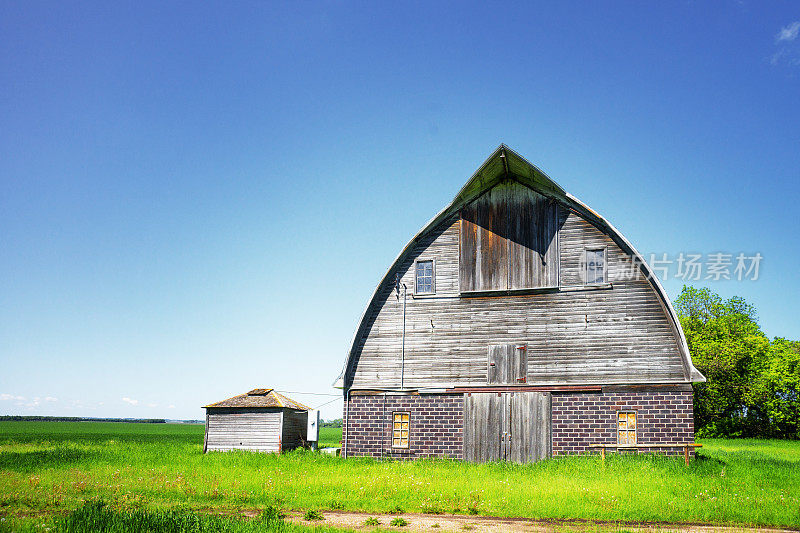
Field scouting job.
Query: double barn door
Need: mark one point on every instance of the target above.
(507, 426)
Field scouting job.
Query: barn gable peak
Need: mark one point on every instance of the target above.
(504, 163)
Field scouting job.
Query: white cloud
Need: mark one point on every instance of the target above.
(152, 405)
(33, 403)
(130, 401)
(50, 399)
(5, 396)
(789, 33)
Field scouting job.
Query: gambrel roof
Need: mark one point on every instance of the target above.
(505, 163)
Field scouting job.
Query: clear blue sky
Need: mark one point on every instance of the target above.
(197, 199)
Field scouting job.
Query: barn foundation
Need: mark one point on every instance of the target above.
(579, 420)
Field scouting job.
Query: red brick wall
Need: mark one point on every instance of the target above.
(437, 422)
(580, 419)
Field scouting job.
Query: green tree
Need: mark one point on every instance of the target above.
(775, 391)
(728, 347)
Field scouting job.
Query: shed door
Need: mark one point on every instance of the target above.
(507, 364)
(510, 426)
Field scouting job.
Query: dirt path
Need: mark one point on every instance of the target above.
(484, 524)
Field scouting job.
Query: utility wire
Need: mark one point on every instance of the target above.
(310, 393)
(326, 403)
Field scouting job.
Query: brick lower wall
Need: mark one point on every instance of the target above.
(578, 420)
(437, 425)
(581, 419)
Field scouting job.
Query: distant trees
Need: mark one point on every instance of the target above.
(32, 418)
(335, 423)
(753, 383)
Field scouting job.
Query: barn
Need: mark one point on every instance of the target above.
(261, 420)
(518, 324)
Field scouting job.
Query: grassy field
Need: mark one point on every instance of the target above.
(53, 468)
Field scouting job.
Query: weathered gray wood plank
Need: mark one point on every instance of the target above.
(616, 335)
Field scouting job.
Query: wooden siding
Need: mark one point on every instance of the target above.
(532, 240)
(509, 240)
(484, 246)
(244, 429)
(295, 428)
(619, 333)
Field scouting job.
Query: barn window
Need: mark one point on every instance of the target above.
(425, 277)
(626, 428)
(400, 430)
(595, 266)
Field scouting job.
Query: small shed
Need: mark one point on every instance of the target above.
(261, 420)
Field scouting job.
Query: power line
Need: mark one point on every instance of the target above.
(326, 403)
(309, 393)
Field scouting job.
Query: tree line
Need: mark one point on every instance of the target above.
(753, 387)
(32, 418)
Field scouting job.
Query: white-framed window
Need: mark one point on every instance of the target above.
(595, 266)
(425, 276)
(401, 426)
(626, 428)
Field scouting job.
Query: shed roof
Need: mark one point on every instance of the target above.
(260, 398)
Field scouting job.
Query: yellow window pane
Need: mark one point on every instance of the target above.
(397, 425)
(622, 424)
(396, 442)
(405, 425)
(397, 417)
(631, 420)
(623, 437)
(405, 417)
(632, 437)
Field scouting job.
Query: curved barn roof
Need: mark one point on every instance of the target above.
(505, 162)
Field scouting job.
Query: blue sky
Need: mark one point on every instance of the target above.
(197, 199)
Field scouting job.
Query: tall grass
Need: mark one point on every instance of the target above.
(49, 468)
(96, 516)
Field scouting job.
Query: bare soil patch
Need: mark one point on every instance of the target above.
(486, 524)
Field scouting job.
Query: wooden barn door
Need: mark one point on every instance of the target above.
(507, 364)
(529, 427)
(507, 426)
(484, 416)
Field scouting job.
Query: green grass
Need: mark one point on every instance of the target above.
(53, 467)
(330, 437)
(97, 516)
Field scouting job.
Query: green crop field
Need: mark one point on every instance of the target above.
(152, 472)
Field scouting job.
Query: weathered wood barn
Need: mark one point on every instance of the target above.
(517, 324)
(261, 420)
